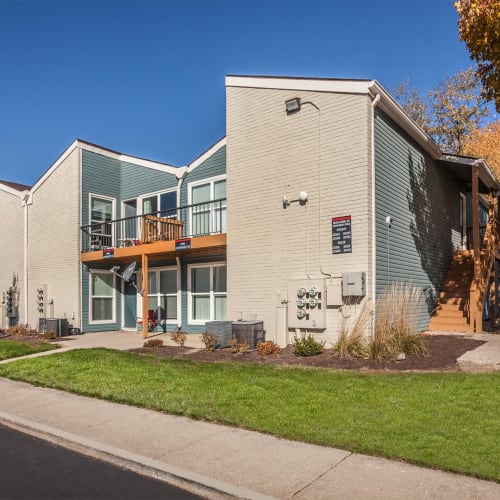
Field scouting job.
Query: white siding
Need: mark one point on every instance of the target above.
(54, 242)
(269, 154)
(11, 248)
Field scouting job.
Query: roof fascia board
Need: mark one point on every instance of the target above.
(396, 113)
(340, 86)
(163, 167)
(485, 172)
(207, 154)
(11, 190)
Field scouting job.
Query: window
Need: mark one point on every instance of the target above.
(208, 213)
(207, 292)
(165, 203)
(102, 298)
(162, 294)
(101, 216)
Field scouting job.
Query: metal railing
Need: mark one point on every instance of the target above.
(199, 219)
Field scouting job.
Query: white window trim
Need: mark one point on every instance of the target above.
(177, 321)
(113, 299)
(113, 214)
(201, 182)
(157, 194)
(213, 294)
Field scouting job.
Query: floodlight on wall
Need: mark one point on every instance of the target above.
(303, 196)
(292, 105)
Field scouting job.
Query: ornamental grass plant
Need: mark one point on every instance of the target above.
(396, 323)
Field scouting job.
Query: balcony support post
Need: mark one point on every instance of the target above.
(476, 319)
(145, 324)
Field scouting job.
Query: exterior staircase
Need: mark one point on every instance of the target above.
(452, 311)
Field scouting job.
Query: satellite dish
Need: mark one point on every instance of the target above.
(127, 274)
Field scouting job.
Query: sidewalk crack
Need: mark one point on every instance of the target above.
(319, 476)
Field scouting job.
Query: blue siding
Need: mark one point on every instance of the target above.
(423, 200)
(211, 167)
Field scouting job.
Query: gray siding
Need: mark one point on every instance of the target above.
(423, 200)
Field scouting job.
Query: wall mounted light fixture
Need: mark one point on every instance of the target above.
(292, 105)
(302, 199)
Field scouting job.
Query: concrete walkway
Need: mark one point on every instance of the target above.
(219, 461)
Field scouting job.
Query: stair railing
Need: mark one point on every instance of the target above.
(480, 283)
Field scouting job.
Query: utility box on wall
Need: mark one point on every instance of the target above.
(353, 284)
(306, 304)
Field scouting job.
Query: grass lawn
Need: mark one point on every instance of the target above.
(12, 349)
(448, 421)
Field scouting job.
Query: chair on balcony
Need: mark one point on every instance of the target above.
(151, 321)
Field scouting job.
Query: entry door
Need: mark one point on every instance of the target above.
(463, 220)
(130, 304)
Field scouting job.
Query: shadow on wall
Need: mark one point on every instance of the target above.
(428, 200)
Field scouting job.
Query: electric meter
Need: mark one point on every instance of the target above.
(313, 303)
(313, 292)
(301, 292)
(301, 303)
(301, 314)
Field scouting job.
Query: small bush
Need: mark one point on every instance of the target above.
(153, 343)
(210, 340)
(50, 335)
(414, 346)
(179, 338)
(235, 347)
(268, 348)
(307, 346)
(19, 330)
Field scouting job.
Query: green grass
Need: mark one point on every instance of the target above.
(12, 349)
(448, 421)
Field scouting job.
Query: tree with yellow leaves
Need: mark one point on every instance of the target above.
(485, 143)
(479, 28)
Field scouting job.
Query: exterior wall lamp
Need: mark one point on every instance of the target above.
(292, 105)
(302, 199)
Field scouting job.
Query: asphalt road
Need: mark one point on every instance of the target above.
(31, 468)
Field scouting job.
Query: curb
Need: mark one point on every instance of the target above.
(175, 476)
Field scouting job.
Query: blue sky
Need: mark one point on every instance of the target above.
(147, 77)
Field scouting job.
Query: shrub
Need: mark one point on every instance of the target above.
(268, 348)
(153, 343)
(179, 337)
(210, 340)
(235, 347)
(352, 341)
(396, 319)
(49, 335)
(19, 330)
(307, 346)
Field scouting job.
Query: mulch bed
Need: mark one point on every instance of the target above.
(33, 340)
(444, 350)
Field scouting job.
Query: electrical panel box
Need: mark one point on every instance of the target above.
(306, 304)
(353, 284)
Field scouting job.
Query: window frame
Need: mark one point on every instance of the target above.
(92, 296)
(212, 210)
(158, 295)
(113, 218)
(212, 294)
(142, 197)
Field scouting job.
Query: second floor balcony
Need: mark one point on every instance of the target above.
(191, 221)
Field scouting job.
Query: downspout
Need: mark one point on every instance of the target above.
(374, 103)
(25, 201)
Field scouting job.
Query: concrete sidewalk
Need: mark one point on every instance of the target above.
(224, 462)
(219, 461)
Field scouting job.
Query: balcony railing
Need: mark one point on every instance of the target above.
(189, 221)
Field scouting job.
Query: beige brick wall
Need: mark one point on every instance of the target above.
(11, 248)
(54, 242)
(269, 154)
